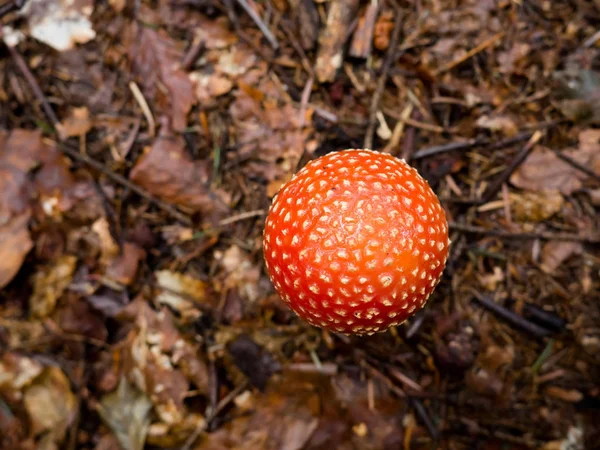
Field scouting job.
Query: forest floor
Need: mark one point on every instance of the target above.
(141, 143)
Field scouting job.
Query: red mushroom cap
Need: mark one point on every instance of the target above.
(356, 242)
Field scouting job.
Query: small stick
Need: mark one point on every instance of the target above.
(259, 23)
(424, 415)
(521, 156)
(445, 148)
(592, 39)
(511, 317)
(590, 173)
(485, 44)
(213, 414)
(65, 148)
(387, 64)
(242, 216)
(139, 97)
(591, 238)
(125, 182)
(35, 87)
(198, 46)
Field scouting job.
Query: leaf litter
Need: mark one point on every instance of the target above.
(135, 311)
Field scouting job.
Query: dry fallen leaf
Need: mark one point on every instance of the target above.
(503, 124)
(124, 267)
(15, 243)
(240, 271)
(167, 171)
(181, 292)
(544, 171)
(126, 412)
(77, 124)
(50, 403)
(156, 60)
(554, 253)
(17, 371)
(536, 206)
(49, 283)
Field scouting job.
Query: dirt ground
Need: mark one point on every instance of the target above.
(141, 143)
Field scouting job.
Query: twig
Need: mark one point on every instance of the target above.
(445, 148)
(198, 46)
(591, 238)
(124, 182)
(387, 64)
(212, 414)
(75, 154)
(139, 98)
(521, 156)
(592, 39)
(433, 431)
(242, 216)
(259, 23)
(35, 87)
(485, 44)
(589, 172)
(511, 317)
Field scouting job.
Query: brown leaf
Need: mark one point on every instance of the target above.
(536, 206)
(156, 59)
(126, 411)
(181, 292)
(167, 171)
(554, 253)
(544, 171)
(77, 124)
(124, 267)
(15, 243)
(49, 283)
(503, 124)
(50, 403)
(17, 371)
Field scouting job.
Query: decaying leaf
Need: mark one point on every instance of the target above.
(60, 24)
(544, 171)
(166, 170)
(49, 283)
(536, 206)
(181, 292)
(15, 243)
(77, 124)
(241, 272)
(50, 403)
(124, 267)
(157, 60)
(17, 371)
(126, 412)
(554, 253)
(503, 124)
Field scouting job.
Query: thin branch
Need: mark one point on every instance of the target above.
(259, 23)
(590, 238)
(511, 317)
(33, 84)
(75, 154)
(387, 64)
(494, 187)
(589, 172)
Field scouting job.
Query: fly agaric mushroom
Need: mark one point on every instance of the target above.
(355, 242)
